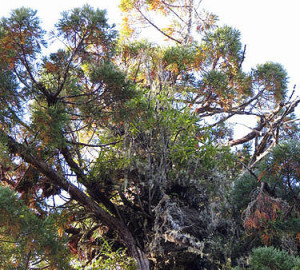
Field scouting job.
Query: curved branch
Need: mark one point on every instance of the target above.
(157, 28)
(249, 136)
(88, 203)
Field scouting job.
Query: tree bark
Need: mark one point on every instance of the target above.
(87, 202)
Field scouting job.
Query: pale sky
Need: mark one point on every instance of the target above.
(269, 28)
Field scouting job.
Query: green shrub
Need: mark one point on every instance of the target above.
(269, 258)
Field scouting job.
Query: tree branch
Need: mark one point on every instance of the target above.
(88, 203)
(78, 195)
(157, 28)
(249, 136)
(92, 145)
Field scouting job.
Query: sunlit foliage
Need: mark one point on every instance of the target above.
(119, 152)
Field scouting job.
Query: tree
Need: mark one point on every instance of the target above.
(130, 139)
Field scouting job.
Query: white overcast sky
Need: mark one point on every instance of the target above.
(269, 28)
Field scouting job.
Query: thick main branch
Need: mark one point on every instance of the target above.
(78, 195)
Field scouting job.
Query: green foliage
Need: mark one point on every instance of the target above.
(120, 89)
(269, 258)
(280, 170)
(9, 96)
(274, 78)
(28, 238)
(21, 31)
(5, 159)
(244, 186)
(107, 171)
(224, 44)
(88, 29)
(179, 59)
(52, 71)
(49, 123)
(111, 260)
(274, 218)
(217, 81)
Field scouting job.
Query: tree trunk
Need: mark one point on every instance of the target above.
(87, 202)
(141, 259)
